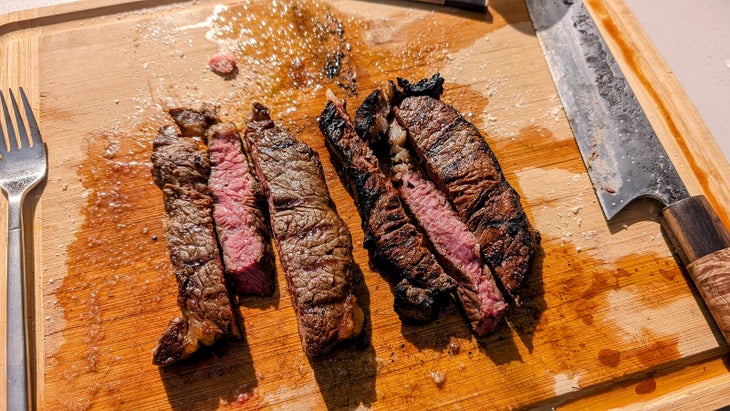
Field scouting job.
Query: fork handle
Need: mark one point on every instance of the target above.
(17, 348)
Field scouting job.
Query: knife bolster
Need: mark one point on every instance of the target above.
(694, 228)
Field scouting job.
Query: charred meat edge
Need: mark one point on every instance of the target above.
(180, 168)
(420, 285)
(241, 225)
(313, 242)
(459, 161)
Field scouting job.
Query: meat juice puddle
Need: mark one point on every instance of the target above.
(122, 234)
(117, 266)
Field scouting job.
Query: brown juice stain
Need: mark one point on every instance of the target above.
(636, 65)
(580, 287)
(646, 387)
(658, 352)
(118, 246)
(609, 357)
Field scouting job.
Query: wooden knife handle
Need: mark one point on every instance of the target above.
(703, 244)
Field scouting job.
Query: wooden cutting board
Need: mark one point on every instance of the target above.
(609, 318)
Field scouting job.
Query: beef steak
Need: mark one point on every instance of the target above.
(460, 162)
(237, 211)
(456, 247)
(313, 242)
(420, 284)
(180, 167)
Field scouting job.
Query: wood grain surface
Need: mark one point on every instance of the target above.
(609, 318)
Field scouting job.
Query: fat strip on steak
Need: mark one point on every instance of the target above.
(459, 161)
(457, 247)
(313, 242)
(180, 167)
(420, 284)
(248, 257)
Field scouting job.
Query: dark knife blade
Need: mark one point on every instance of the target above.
(624, 158)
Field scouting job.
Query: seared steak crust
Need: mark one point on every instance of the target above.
(420, 284)
(180, 168)
(314, 244)
(460, 162)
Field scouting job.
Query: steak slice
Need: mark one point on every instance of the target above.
(456, 247)
(240, 224)
(237, 203)
(420, 284)
(459, 161)
(313, 242)
(180, 167)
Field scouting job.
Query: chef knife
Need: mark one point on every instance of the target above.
(621, 151)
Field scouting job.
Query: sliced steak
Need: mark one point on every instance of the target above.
(460, 162)
(180, 167)
(420, 284)
(241, 226)
(313, 242)
(456, 247)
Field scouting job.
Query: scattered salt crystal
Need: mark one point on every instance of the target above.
(439, 377)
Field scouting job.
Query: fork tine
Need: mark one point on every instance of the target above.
(8, 126)
(35, 132)
(24, 140)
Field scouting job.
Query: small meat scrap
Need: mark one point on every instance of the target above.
(419, 282)
(241, 226)
(456, 247)
(180, 168)
(460, 162)
(313, 242)
(223, 63)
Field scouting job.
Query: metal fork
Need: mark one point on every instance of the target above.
(22, 166)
